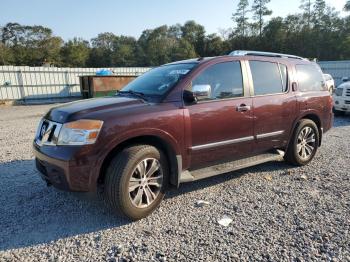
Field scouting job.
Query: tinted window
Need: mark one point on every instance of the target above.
(267, 78)
(310, 78)
(225, 80)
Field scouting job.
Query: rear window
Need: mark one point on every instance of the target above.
(268, 77)
(310, 78)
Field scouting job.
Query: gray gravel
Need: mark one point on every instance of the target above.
(279, 213)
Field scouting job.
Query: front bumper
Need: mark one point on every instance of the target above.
(341, 103)
(67, 168)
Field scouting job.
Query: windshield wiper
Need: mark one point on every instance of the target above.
(134, 93)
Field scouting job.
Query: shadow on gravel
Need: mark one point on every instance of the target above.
(211, 181)
(31, 213)
(340, 121)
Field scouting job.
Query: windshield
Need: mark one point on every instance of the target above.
(158, 81)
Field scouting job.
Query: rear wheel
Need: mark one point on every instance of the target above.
(304, 143)
(136, 181)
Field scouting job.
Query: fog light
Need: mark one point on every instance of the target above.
(337, 102)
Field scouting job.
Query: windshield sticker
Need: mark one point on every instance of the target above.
(179, 72)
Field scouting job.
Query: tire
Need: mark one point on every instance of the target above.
(338, 113)
(125, 173)
(296, 148)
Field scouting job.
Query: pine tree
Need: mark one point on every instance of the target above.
(319, 13)
(260, 10)
(306, 6)
(347, 6)
(240, 17)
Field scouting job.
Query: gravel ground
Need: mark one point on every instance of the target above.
(279, 213)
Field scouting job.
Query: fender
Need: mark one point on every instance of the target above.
(302, 115)
(120, 138)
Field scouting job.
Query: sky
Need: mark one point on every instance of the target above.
(86, 19)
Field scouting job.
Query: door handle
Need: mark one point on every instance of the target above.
(242, 108)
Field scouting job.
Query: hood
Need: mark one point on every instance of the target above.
(79, 109)
(344, 85)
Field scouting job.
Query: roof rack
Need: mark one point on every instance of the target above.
(269, 54)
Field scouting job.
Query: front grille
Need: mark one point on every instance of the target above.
(47, 133)
(347, 102)
(347, 92)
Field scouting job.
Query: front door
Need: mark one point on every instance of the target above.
(221, 125)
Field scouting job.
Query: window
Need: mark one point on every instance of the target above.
(224, 79)
(310, 78)
(268, 78)
(284, 74)
(158, 81)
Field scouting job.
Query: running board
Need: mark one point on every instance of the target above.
(193, 175)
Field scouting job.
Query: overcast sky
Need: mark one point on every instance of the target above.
(87, 18)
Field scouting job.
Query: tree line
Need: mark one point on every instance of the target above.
(317, 31)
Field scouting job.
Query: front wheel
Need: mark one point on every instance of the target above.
(304, 143)
(136, 181)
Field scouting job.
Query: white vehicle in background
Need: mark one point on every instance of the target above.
(341, 98)
(329, 82)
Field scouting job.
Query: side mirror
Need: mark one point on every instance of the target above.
(201, 92)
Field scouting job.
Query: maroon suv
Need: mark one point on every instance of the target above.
(182, 122)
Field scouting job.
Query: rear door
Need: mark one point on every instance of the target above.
(221, 127)
(274, 104)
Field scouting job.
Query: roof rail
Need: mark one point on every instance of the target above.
(269, 54)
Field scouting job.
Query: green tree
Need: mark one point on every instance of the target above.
(275, 35)
(183, 50)
(124, 51)
(306, 6)
(6, 55)
(240, 18)
(319, 13)
(31, 45)
(102, 50)
(213, 45)
(347, 6)
(75, 53)
(195, 34)
(260, 10)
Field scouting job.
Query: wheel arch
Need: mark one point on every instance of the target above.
(173, 158)
(311, 116)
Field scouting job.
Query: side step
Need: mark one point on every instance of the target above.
(193, 175)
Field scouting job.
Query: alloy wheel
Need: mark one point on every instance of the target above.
(145, 183)
(306, 143)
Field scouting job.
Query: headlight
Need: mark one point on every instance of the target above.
(339, 92)
(81, 132)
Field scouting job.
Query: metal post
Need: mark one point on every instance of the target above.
(20, 84)
(67, 83)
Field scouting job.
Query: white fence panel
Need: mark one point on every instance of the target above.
(23, 82)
